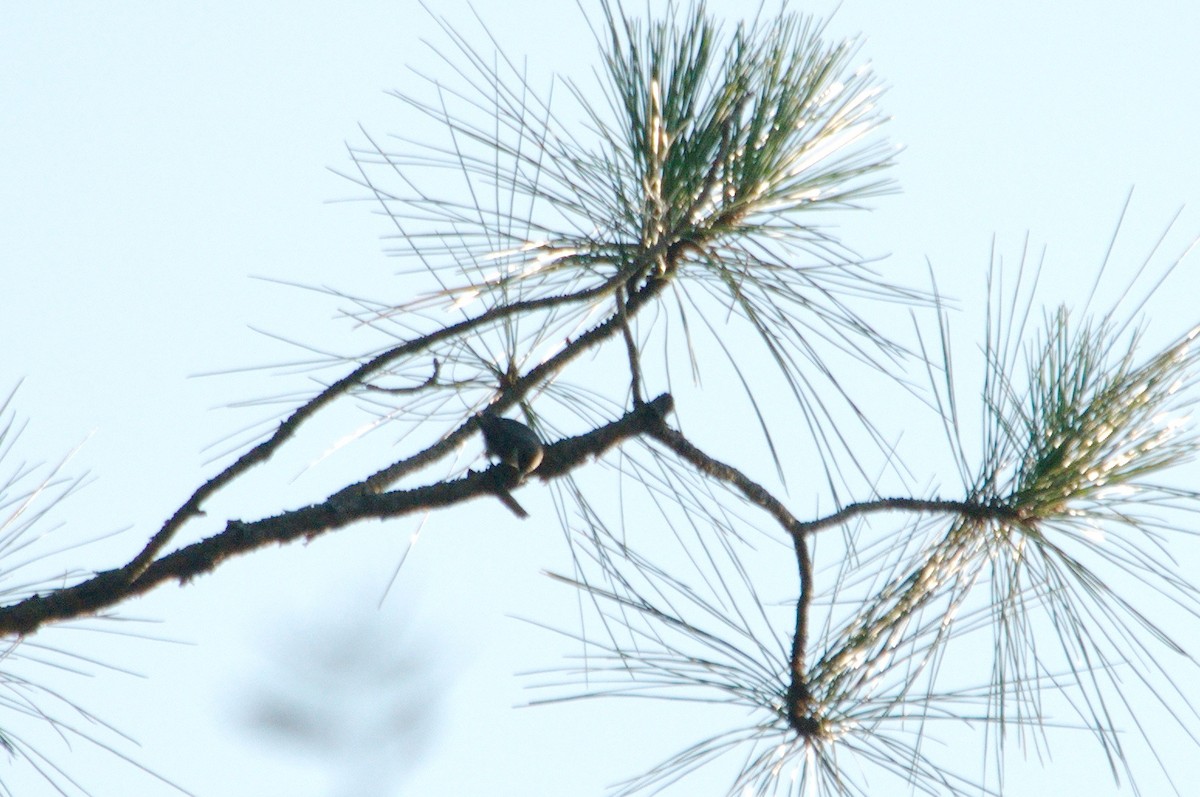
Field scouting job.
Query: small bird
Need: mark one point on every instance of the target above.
(515, 445)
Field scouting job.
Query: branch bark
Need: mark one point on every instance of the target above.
(111, 587)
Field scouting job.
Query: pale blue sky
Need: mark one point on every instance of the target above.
(155, 156)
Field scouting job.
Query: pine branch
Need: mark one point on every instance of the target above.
(111, 587)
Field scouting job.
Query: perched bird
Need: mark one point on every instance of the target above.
(511, 442)
(515, 445)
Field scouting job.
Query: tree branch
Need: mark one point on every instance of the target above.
(288, 427)
(758, 495)
(799, 698)
(382, 479)
(111, 587)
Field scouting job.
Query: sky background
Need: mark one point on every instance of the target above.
(159, 159)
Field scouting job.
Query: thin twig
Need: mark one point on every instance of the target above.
(635, 368)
